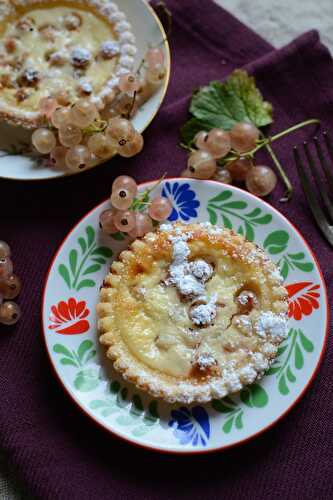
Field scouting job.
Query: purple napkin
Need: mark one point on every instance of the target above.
(58, 452)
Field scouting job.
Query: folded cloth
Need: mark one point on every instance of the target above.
(58, 452)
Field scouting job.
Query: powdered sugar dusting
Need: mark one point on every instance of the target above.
(272, 324)
(204, 314)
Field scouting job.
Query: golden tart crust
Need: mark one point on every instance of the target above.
(192, 312)
(81, 46)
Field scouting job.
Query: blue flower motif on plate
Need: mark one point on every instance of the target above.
(190, 425)
(183, 200)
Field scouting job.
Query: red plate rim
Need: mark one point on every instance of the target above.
(223, 447)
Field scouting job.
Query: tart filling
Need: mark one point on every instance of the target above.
(79, 46)
(192, 312)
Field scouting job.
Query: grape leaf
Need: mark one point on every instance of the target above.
(222, 105)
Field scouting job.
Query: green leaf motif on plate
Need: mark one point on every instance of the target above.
(86, 379)
(276, 242)
(290, 359)
(252, 396)
(85, 260)
(139, 418)
(230, 209)
(293, 262)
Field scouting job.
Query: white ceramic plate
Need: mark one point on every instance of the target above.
(147, 29)
(69, 319)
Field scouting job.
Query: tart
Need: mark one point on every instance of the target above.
(192, 312)
(78, 46)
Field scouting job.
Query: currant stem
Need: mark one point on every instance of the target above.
(186, 147)
(289, 188)
(268, 140)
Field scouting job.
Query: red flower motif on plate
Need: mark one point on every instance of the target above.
(68, 318)
(306, 299)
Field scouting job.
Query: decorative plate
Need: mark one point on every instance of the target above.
(69, 320)
(147, 29)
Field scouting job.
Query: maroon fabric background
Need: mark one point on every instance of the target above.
(58, 452)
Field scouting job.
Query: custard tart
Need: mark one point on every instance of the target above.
(76, 46)
(192, 312)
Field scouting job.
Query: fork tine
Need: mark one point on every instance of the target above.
(325, 167)
(313, 203)
(328, 144)
(321, 188)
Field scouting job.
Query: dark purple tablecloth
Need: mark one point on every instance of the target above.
(57, 452)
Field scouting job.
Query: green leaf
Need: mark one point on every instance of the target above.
(239, 421)
(61, 349)
(245, 397)
(122, 398)
(259, 397)
(307, 267)
(299, 359)
(64, 273)
(85, 284)
(153, 409)
(249, 233)
(92, 269)
(137, 406)
(91, 235)
(281, 350)
(265, 219)
(83, 244)
(115, 387)
(118, 236)
(125, 420)
(67, 361)
(98, 403)
(238, 205)
(230, 401)
(254, 213)
(212, 215)
(228, 425)
(73, 261)
(91, 355)
(306, 343)
(223, 196)
(290, 376)
(108, 411)
(191, 128)
(83, 348)
(284, 269)
(272, 370)
(225, 104)
(139, 431)
(240, 230)
(103, 251)
(226, 222)
(283, 388)
(297, 256)
(86, 380)
(221, 407)
(99, 260)
(276, 242)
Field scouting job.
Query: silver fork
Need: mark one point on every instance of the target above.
(322, 205)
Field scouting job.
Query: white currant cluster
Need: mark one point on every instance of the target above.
(78, 135)
(216, 145)
(10, 287)
(130, 214)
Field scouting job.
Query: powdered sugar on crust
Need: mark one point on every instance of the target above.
(222, 352)
(204, 314)
(274, 325)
